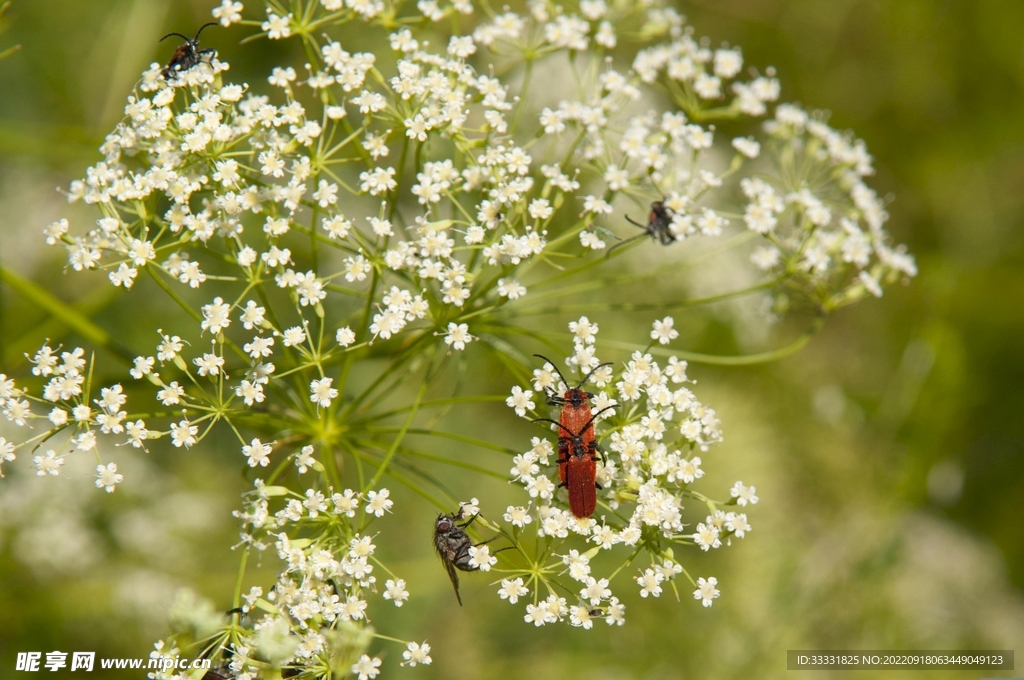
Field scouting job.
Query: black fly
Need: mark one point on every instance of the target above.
(659, 226)
(187, 55)
(452, 544)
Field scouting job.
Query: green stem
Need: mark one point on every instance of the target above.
(650, 306)
(237, 601)
(738, 360)
(447, 435)
(68, 315)
(398, 439)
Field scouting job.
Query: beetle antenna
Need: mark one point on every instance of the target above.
(554, 366)
(183, 37)
(628, 240)
(593, 371)
(555, 422)
(594, 417)
(634, 222)
(203, 27)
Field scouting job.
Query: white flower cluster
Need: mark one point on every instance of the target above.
(320, 602)
(698, 73)
(403, 207)
(650, 154)
(646, 474)
(252, 172)
(74, 421)
(824, 223)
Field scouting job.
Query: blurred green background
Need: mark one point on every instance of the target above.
(887, 454)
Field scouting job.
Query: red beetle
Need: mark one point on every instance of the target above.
(575, 403)
(659, 226)
(188, 55)
(577, 463)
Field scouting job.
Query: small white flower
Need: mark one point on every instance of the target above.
(596, 205)
(361, 546)
(258, 453)
(281, 77)
(209, 364)
(738, 524)
(481, 558)
(591, 240)
(615, 612)
(706, 590)
(747, 146)
(538, 614)
(315, 502)
(743, 494)
(277, 27)
(650, 583)
(765, 257)
(123, 276)
(470, 508)
(229, 12)
(143, 367)
(345, 336)
(377, 502)
(6, 451)
(579, 566)
(107, 477)
(512, 590)
(296, 335)
(458, 335)
(521, 401)
(216, 316)
(48, 464)
(511, 289)
(631, 535)
(304, 459)
(366, 667)
(395, 590)
(346, 503)
(321, 392)
(596, 591)
(663, 331)
(518, 515)
(585, 330)
(706, 536)
(416, 654)
(183, 433)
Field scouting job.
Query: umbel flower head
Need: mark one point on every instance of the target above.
(383, 213)
(652, 447)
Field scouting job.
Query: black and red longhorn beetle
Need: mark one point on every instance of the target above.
(659, 226)
(575, 403)
(575, 417)
(188, 55)
(577, 464)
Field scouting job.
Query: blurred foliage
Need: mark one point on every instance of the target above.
(888, 454)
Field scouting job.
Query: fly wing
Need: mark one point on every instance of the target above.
(444, 550)
(454, 576)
